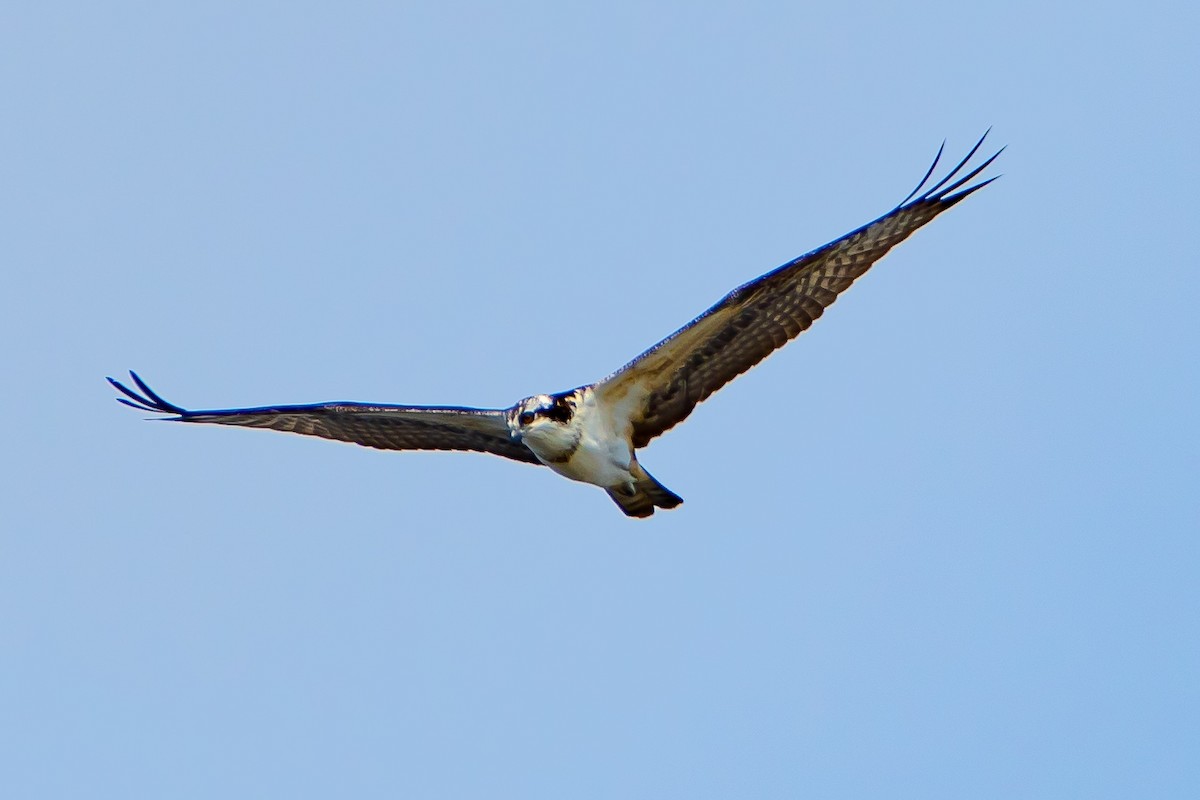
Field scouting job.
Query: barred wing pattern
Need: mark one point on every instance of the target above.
(384, 427)
(662, 386)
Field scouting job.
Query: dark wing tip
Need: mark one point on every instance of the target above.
(945, 190)
(970, 190)
(150, 401)
(937, 157)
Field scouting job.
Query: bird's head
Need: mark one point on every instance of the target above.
(544, 421)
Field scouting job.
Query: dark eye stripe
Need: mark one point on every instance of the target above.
(561, 411)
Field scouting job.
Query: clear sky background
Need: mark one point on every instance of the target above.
(945, 545)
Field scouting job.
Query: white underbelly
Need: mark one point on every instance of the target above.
(602, 463)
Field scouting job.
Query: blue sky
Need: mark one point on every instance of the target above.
(944, 545)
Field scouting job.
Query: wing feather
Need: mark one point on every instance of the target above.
(659, 388)
(385, 427)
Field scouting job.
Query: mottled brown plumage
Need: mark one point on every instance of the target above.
(665, 383)
(381, 426)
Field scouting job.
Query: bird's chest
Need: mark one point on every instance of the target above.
(598, 462)
(599, 455)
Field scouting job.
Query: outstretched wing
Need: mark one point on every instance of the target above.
(659, 388)
(383, 427)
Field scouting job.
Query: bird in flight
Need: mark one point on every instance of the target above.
(591, 434)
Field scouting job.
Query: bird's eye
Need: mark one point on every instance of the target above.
(526, 417)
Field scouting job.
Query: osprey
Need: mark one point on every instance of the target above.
(591, 433)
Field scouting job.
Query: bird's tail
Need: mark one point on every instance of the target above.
(647, 494)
